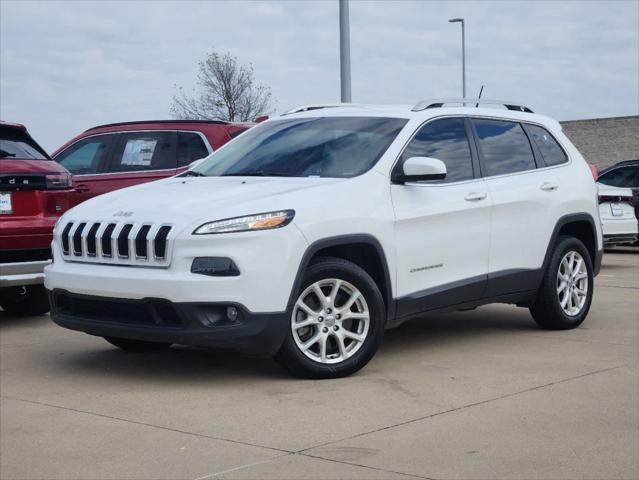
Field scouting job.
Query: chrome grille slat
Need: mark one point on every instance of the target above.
(141, 245)
(98, 239)
(64, 240)
(76, 243)
(116, 243)
(90, 240)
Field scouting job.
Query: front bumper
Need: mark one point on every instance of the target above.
(160, 320)
(22, 273)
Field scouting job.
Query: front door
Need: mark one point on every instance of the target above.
(87, 160)
(442, 228)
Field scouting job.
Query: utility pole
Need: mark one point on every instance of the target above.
(461, 20)
(344, 52)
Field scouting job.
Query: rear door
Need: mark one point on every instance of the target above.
(87, 160)
(191, 147)
(140, 157)
(524, 199)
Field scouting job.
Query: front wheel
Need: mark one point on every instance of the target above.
(337, 321)
(565, 294)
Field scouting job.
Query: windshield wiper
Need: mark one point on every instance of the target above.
(4, 154)
(256, 174)
(192, 173)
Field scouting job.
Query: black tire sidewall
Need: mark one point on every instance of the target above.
(290, 356)
(549, 313)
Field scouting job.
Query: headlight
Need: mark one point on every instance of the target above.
(259, 221)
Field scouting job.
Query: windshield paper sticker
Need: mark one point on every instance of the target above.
(138, 152)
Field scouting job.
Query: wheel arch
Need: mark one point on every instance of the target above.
(362, 249)
(581, 226)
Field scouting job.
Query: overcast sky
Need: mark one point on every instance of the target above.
(67, 66)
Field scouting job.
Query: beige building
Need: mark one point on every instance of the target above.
(605, 141)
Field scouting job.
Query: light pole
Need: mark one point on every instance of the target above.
(344, 52)
(461, 20)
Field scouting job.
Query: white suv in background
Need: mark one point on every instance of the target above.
(310, 234)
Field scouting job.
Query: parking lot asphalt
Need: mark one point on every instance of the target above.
(479, 394)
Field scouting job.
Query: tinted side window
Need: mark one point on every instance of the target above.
(85, 156)
(190, 148)
(445, 140)
(547, 145)
(624, 177)
(139, 151)
(504, 147)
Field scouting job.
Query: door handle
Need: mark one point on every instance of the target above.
(549, 186)
(474, 197)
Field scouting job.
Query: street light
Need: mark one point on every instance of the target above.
(461, 20)
(344, 52)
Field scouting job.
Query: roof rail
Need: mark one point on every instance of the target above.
(141, 122)
(440, 102)
(316, 106)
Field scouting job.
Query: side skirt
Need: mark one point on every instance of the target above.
(518, 286)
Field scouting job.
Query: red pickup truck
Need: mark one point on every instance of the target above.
(34, 192)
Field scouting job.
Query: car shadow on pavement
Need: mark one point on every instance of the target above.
(180, 364)
(10, 320)
(457, 327)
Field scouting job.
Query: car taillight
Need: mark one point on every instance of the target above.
(615, 199)
(595, 171)
(62, 180)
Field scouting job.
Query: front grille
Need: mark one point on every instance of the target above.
(28, 255)
(147, 312)
(117, 243)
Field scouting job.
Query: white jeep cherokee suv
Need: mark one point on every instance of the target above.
(310, 234)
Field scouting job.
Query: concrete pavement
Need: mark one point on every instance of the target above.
(480, 394)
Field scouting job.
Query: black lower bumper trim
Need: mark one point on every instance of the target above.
(159, 320)
(619, 239)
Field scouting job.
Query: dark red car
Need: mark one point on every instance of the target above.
(118, 155)
(34, 192)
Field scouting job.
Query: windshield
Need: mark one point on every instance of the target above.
(16, 143)
(319, 147)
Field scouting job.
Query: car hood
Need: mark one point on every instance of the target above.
(187, 200)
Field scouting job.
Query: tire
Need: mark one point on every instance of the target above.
(547, 310)
(350, 334)
(26, 301)
(129, 345)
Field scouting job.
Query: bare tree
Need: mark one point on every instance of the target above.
(226, 90)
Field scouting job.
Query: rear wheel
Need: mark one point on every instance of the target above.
(565, 294)
(24, 301)
(129, 345)
(336, 324)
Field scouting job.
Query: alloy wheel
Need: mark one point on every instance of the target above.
(572, 283)
(330, 321)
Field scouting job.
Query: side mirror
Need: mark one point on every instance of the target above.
(417, 169)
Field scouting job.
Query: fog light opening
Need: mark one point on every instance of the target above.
(232, 314)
